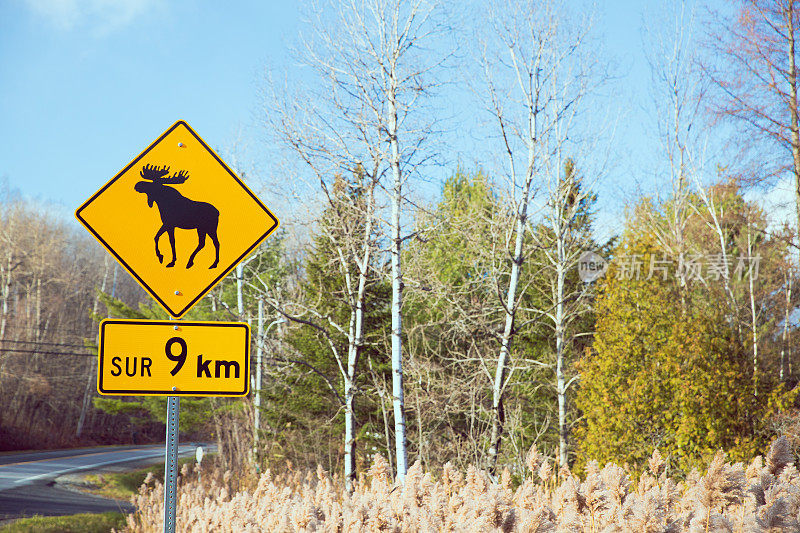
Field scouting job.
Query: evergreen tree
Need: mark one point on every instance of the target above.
(669, 368)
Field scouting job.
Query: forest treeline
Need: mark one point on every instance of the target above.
(51, 275)
(494, 315)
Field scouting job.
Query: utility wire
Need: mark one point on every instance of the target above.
(44, 352)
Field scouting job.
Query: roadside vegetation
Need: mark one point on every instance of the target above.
(763, 495)
(123, 485)
(78, 523)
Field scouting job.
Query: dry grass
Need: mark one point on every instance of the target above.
(763, 497)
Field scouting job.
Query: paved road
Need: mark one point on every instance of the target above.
(27, 483)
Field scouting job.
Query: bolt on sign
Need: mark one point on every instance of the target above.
(177, 218)
(157, 358)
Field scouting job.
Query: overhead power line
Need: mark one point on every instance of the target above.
(44, 352)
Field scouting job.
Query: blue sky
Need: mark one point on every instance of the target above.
(85, 85)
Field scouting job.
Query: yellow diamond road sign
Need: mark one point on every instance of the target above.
(163, 358)
(177, 218)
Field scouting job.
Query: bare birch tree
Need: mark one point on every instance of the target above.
(333, 137)
(702, 200)
(562, 236)
(677, 91)
(374, 70)
(536, 65)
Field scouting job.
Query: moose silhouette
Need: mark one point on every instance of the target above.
(177, 211)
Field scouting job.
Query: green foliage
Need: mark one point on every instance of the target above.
(462, 229)
(454, 261)
(462, 265)
(266, 267)
(451, 319)
(77, 523)
(194, 413)
(116, 308)
(669, 368)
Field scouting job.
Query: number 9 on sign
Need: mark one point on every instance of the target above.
(180, 358)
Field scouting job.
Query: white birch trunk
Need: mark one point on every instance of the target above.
(349, 435)
(38, 315)
(239, 290)
(561, 388)
(368, 55)
(397, 292)
(349, 388)
(793, 111)
(257, 387)
(6, 293)
(753, 316)
(356, 343)
(386, 430)
(498, 416)
(565, 204)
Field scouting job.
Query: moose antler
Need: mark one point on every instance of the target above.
(176, 179)
(153, 173)
(156, 175)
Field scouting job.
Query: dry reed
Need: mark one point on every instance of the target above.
(763, 497)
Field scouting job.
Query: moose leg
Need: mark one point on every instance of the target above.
(159, 234)
(171, 235)
(201, 237)
(213, 235)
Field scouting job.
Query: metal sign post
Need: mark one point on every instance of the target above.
(171, 461)
(171, 464)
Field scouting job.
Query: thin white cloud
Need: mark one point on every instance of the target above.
(100, 15)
